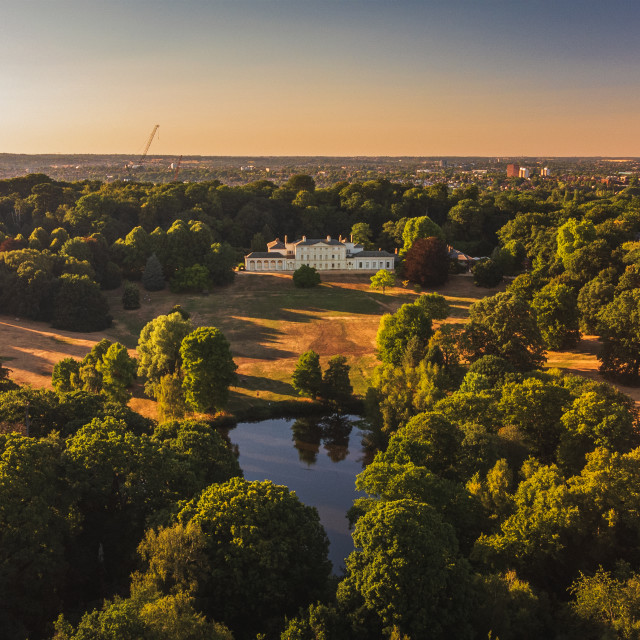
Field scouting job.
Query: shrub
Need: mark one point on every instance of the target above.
(487, 273)
(153, 278)
(131, 296)
(192, 279)
(306, 277)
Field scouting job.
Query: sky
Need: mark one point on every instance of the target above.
(321, 77)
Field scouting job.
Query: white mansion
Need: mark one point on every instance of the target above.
(326, 254)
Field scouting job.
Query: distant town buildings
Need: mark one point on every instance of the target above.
(513, 170)
(523, 173)
(323, 254)
(544, 172)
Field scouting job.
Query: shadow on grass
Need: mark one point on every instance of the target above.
(258, 383)
(251, 339)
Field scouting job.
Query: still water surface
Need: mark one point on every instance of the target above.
(318, 458)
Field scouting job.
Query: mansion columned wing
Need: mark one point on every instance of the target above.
(325, 255)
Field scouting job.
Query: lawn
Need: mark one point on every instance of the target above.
(268, 322)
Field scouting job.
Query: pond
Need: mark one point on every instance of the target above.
(318, 458)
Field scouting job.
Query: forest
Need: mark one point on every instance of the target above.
(503, 497)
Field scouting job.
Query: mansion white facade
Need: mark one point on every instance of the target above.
(324, 255)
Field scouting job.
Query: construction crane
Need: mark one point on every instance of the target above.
(175, 173)
(130, 165)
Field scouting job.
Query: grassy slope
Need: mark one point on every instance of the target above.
(268, 323)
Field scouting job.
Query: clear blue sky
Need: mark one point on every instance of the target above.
(269, 77)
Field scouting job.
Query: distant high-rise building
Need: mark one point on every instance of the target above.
(544, 172)
(523, 173)
(513, 170)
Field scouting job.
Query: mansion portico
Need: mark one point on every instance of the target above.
(325, 254)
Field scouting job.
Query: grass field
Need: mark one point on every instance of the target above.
(268, 323)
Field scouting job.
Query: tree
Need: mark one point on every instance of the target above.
(66, 375)
(200, 447)
(118, 370)
(406, 572)
(170, 397)
(555, 306)
(36, 520)
(209, 369)
(421, 227)
(79, 305)
(592, 298)
(336, 386)
(159, 348)
(266, 554)
(153, 277)
(397, 329)
(611, 602)
(427, 262)
(258, 242)
(487, 273)
(361, 234)
(536, 407)
(220, 262)
(435, 305)
(619, 323)
(504, 325)
(307, 377)
(305, 277)
(572, 236)
(383, 279)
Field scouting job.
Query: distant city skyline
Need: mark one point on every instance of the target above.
(332, 78)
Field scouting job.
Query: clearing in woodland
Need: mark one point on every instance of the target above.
(269, 323)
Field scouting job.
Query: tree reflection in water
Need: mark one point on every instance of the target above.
(331, 431)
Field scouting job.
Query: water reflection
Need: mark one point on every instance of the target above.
(318, 458)
(332, 431)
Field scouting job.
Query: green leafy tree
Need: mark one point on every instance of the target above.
(36, 520)
(79, 305)
(258, 242)
(536, 408)
(609, 602)
(306, 277)
(592, 298)
(66, 375)
(118, 369)
(397, 329)
(420, 227)
(504, 325)
(427, 262)
(406, 572)
(153, 277)
(266, 554)
(572, 236)
(220, 262)
(619, 323)
(383, 279)
(336, 386)
(209, 369)
(307, 377)
(361, 234)
(159, 349)
(170, 397)
(435, 305)
(200, 447)
(555, 307)
(144, 617)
